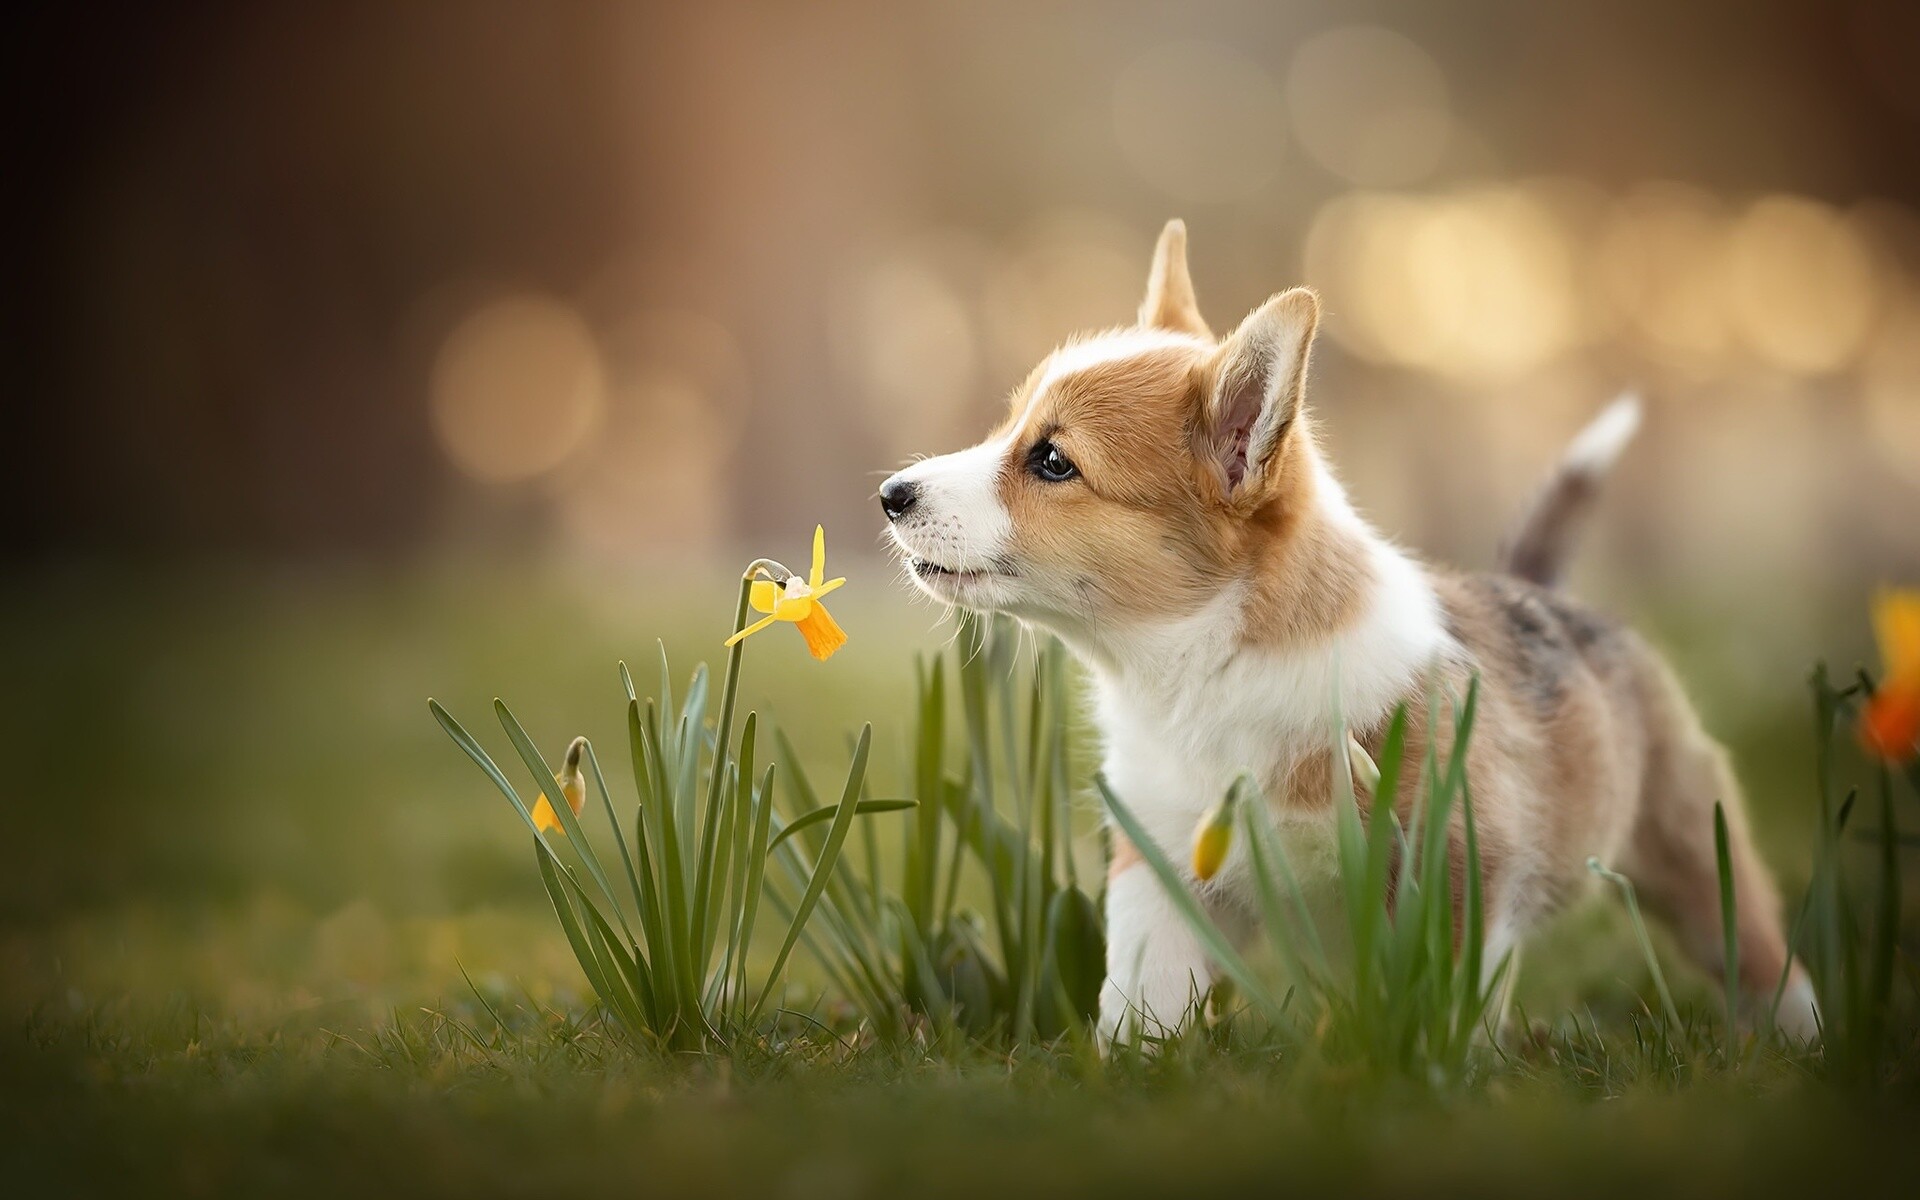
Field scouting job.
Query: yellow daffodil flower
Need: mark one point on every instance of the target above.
(1890, 722)
(573, 789)
(797, 600)
(1213, 836)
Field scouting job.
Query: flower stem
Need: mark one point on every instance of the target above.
(729, 689)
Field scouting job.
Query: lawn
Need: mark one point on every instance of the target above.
(265, 928)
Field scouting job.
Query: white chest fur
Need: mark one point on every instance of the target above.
(1186, 708)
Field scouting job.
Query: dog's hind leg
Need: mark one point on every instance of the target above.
(1672, 860)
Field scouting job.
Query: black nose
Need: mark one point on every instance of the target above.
(897, 497)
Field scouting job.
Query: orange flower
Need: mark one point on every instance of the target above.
(573, 790)
(1890, 722)
(797, 600)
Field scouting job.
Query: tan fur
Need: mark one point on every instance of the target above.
(1170, 302)
(1142, 434)
(1139, 504)
(1583, 745)
(1198, 469)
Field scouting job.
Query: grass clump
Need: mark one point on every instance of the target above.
(1409, 998)
(697, 868)
(975, 929)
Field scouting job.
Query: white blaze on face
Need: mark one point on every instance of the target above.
(1075, 357)
(958, 521)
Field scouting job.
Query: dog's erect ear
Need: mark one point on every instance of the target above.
(1259, 380)
(1170, 303)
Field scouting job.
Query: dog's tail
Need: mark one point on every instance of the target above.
(1544, 542)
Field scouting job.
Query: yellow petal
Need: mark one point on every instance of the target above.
(544, 818)
(793, 608)
(819, 556)
(764, 594)
(750, 630)
(1896, 620)
(826, 587)
(822, 632)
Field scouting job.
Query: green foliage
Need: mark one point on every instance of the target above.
(990, 936)
(704, 833)
(1849, 931)
(995, 825)
(1410, 999)
(1009, 810)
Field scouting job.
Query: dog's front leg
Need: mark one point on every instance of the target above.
(1157, 971)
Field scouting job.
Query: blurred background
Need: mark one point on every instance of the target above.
(371, 351)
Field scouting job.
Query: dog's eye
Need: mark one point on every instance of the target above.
(1048, 463)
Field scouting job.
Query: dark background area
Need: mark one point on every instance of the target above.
(240, 231)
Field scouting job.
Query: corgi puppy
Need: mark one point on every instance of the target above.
(1158, 499)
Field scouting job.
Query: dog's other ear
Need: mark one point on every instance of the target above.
(1170, 303)
(1259, 380)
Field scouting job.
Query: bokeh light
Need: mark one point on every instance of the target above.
(653, 480)
(1661, 259)
(652, 477)
(1800, 287)
(1066, 273)
(1471, 284)
(1369, 105)
(515, 388)
(1890, 387)
(1201, 121)
(905, 339)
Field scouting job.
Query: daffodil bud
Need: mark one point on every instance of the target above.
(1213, 836)
(572, 786)
(573, 789)
(1366, 776)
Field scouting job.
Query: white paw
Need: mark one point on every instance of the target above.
(1799, 1013)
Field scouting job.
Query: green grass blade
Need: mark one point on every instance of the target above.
(679, 956)
(756, 882)
(740, 833)
(473, 750)
(584, 950)
(1270, 859)
(1671, 1013)
(929, 749)
(1216, 943)
(576, 834)
(1885, 945)
(625, 970)
(826, 813)
(823, 867)
(613, 819)
(1476, 997)
(666, 680)
(646, 834)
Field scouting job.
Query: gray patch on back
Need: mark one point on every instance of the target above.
(1548, 639)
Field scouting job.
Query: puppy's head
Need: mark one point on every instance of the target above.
(1136, 472)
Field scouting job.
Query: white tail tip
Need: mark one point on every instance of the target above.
(1596, 447)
